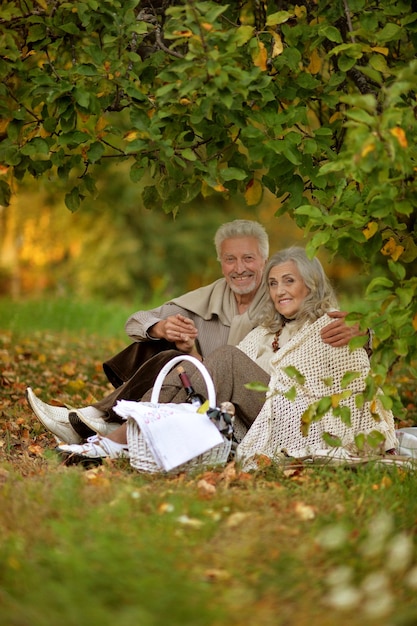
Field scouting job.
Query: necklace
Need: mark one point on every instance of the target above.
(275, 341)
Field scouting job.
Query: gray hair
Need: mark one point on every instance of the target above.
(242, 228)
(321, 298)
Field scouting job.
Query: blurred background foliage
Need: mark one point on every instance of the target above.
(117, 249)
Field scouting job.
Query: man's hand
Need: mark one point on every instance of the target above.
(337, 333)
(187, 345)
(174, 328)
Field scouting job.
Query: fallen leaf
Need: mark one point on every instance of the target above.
(305, 512)
(214, 575)
(235, 519)
(205, 488)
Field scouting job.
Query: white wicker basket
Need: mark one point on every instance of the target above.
(141, 457)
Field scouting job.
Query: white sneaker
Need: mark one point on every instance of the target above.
(54, 418)
(90, 420)
(96, 447)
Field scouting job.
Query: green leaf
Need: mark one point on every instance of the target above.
(345, 63)
(349, 377)
(331, 440)
(358, 342)
(73, 200)
(36, 146)
(188, 154)
(327, 381)
(307, 418)
(390, 32)
(280, 17)
(5, 193)
(330, 32)
(375, 439)
(292, 372)
(344, 414)
(401, 347)
(95, 152)
(232, 173)
(150, 197)
(70, 28)
(377, 283)
(291, 394)
(312, 212)
(256, 386)
(243, 34)
(323, 406)
(359, 115)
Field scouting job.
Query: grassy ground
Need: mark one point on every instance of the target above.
(283, 547)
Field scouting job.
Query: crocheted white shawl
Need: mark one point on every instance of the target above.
(277, 428)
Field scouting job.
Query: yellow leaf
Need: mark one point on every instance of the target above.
(261, 56)
(315, 64)
(43, 4)
(131, 135)
(205, 189)
(398, 252)
(336, 116)
(246, 14)
(183, 33)
(253, 192)
(3, 125)
(414, 322)
(278, 46)
(300, 12)
(337, 397)
(370, 147)
(400, 135)
(101, 123)
(392, 249)
(370, 230)
(219, 187)
(381, 50)
(206, 26)
(76, 385)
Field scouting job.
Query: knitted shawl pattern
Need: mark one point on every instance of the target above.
(277, 428)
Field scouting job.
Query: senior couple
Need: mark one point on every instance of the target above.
(250, 325)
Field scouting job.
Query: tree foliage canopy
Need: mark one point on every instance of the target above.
(314, 101)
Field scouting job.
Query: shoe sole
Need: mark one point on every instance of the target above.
(39, 414)
(72, 458)
(80, 428)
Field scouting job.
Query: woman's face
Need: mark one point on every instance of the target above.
(286, 288)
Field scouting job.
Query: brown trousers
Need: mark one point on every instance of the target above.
(229, 368)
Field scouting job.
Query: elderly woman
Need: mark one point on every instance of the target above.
(286, 354)
(307, 380)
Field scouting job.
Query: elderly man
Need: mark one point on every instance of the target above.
(215, 315)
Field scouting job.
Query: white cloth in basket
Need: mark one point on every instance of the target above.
(174, 433)
(168, 436)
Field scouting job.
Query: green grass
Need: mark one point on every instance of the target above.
(106, 319)
(283, 547)
(105, 547)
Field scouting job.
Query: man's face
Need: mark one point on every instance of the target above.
(242, 264)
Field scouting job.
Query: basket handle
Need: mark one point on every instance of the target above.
(211, 394)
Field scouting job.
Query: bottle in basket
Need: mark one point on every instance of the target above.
(192, 396)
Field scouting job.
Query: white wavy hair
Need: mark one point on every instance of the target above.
(321, 298)
(242, 228)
